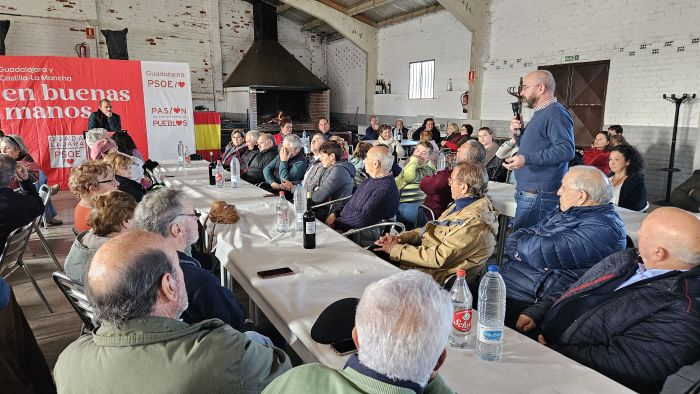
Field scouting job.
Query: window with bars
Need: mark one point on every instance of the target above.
(421, 76)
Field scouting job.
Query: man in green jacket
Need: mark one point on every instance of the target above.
(136, 288)
(403, 361)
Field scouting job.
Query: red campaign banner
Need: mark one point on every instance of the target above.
(47, 101)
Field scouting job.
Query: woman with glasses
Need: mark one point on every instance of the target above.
(92, 178)
(122, 166)
(111, 215)
(236, 147)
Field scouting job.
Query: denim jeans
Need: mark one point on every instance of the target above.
(50, 210)
(531, 208)
(409, 214)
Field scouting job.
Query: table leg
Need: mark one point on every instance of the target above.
(502, 231)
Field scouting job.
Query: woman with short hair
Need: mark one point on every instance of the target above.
(428, 125)
(110, 216)
(90, 179)
(455, 138)
(121, 164)
(336, 180)
(386, 138)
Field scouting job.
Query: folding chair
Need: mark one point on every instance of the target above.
(329, 206)
(77, 299)
(11, 257)
(45, 194)
(355, 233)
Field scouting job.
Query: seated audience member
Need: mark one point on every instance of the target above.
(337, 178)
(386, 138)
(554, 253)
(635, 316)
(687, 194)
(427, 137)
(90, 179)
(358, 157)
(438, 193)
(286, 128)
(288, 167)
(375, 199)
(102, 148)
(598, 155)
(491, 161)
(236, 147)
(121, 165)
(455, 138)
(17, 209)
(251, 142)
(141, 342)
(169, 213)
(428, 125)
(312, 177)
(629, 188)
(104, 117)
(388, 360)
(615, 129)
(126, 145)
(466, 130)
(408, 182)
(23, 368)
(111, 215)
(316, 140)
(324, 127)
(616, 140)
(372, 131)
(463, 237)
(256, 164)
(399, 126)
(343, 144)
(13, 146)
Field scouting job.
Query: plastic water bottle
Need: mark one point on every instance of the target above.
(219, 175)
(282, 214)
(492, 313)
(180, 154)
(461, 335)
(397, 137)
(235, 173)
(441, 162)
(299, 207)
(188, 161)
(305, 143)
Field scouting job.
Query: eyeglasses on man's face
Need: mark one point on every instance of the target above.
(195, 213)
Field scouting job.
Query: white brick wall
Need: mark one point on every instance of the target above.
(347, 67)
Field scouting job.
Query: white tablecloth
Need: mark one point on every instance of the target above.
(338, 268)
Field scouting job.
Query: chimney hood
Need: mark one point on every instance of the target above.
(267, 65)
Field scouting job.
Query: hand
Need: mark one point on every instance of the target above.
(540, 339)
(22, 172)
(440, 362)
(442, 143)
(286, 185)
(387, 237)
(386, 243)
(330, 220)
(284, 154)
(275, 185)
(515, 124)
(525, 323)
(514, 163)
(108, 113)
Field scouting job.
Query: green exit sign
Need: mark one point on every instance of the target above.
(570, 58)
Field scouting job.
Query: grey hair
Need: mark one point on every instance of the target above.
(476, 153)
(592, 181)
(294, 141)
(253, 133)
(386, 160)
(135, 293)
(545, 78)
(158, 209)
(687, 255)
(94, 135)
(473, 175)
(8, 169)
(403, 323)
(17, 142)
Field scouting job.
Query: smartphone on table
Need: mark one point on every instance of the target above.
(273, 273)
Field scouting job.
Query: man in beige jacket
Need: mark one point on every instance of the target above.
(463, 237)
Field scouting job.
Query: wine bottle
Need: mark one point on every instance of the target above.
(309, 224)
(212, 167)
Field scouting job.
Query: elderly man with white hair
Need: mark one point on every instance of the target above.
(287, 168)
(401, 329)
(555, 252)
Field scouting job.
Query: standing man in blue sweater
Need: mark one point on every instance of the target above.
(546, 146)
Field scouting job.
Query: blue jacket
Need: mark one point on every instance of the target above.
(547, 144)
(559, 249)
(207, 298)
(292, 170)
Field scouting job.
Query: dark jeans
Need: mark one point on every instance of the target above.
(532, 207)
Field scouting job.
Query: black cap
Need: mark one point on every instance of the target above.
(336, 322)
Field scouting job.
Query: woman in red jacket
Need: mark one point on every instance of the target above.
(598, 155)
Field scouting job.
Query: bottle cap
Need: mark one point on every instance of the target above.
(281, 193)
(461, 273)
(493, 268)
(218, 162)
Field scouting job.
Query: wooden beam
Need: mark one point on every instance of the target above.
(283, 7)
(312, 24)
(341, 8)
(409, 15)
(366, 6)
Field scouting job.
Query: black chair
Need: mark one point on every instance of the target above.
(77, 299)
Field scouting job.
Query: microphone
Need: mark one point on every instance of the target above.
(516, 113)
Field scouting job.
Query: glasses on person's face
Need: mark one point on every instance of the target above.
(111, 180)
(451, 181)
(195, 213)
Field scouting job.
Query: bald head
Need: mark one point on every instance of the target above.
(669, 239)
(133, 276)
(542, 77)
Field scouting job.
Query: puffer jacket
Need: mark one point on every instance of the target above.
(639, 335)
(312, 178)
(257, 163)
(461, 239)
(559, 249)
(81, 253)
(335, 182)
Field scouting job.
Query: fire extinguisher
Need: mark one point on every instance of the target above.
(82, 50)
(465, 102)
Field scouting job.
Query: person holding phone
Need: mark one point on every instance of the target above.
(104, 118)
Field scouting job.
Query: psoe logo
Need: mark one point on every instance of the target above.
(66, 151)
(168, 110)
(164, 83)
